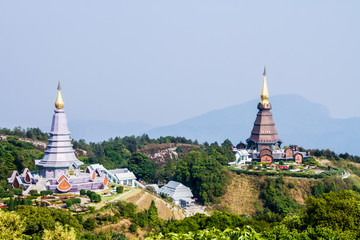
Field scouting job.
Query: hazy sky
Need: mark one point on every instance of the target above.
(165, 61)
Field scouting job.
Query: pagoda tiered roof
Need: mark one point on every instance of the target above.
(264, 130)
(59, 151)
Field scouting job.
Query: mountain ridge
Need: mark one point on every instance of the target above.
(297, 120)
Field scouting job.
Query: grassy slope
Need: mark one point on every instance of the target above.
(243, 192)
(166, 210)
(143, 200)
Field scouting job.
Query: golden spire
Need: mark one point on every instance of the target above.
(264, 91)
(59, 103)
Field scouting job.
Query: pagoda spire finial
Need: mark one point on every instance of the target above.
(264, 91)
(59, 103)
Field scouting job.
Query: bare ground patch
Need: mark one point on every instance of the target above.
(166, 210)
(242, 193)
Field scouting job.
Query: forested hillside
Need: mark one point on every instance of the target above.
(256, 205)
(201, 167)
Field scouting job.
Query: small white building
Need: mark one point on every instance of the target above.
(120, 175)
(124, 176)
(180, 194)
(241, 157)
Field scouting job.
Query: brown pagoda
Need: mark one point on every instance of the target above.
(264, 138)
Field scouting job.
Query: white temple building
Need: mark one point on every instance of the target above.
(59, 169)
(180, 194)
(241, 157)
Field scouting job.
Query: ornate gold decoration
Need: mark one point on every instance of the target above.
(264, 91)
(59, 103)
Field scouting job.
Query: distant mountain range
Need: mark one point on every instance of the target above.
(298, 121)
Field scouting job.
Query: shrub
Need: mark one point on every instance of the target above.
(89, 224)
(179, 149)
(166, 197)
(133, 227)
(95, 198)
(88, 193)
(82, 192)
(115, 219)
(119, 189)
(72, 201)
(34, 193)
(291, 185)
(31, 197)
(91, 209)
(46, 193)
(6, 195)
(126, 210)
(16, 191)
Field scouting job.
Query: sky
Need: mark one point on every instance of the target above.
(162, 61)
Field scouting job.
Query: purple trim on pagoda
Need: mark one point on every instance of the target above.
(59, 158)
(76, 180)
(59, 152)
(78, 187)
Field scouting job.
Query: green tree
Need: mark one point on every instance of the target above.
(247, 233)
(11, 205)
(318, 189)
(339, 211)
(133, 227)
(38, 219)
(11, 225)
(141, 166)
(276, 197)
(89, 224)
(227, 143)
(203, 174)
(60, 233)
(153, 214)
(119, 189)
